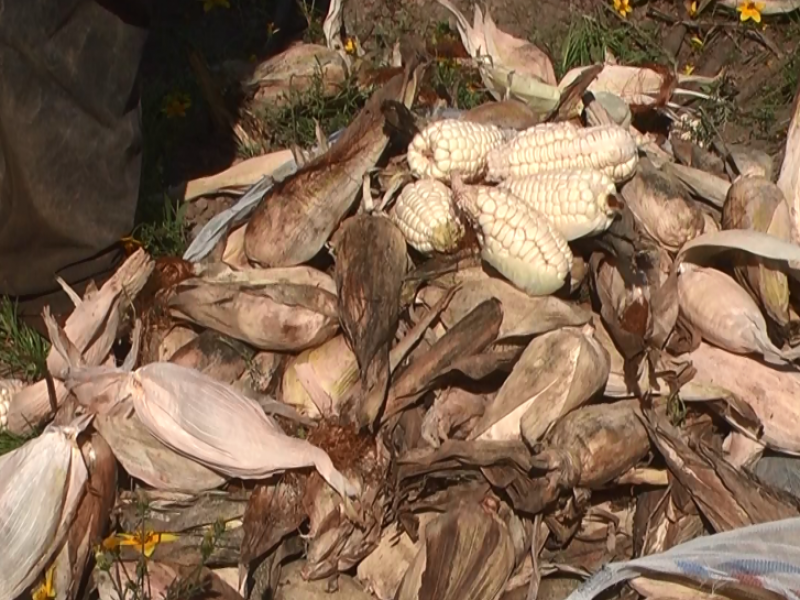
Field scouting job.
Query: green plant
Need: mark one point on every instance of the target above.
(23, 351)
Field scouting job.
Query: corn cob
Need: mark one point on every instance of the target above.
(425, 214)
(578, 202)
(5, 405)
(557, 146)
(451, 145)
(515, 239)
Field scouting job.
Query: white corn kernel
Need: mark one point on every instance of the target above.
(579, 202)
(5, 405)
(425, 214)
(452, 145)
(558, 146)
(516, 240)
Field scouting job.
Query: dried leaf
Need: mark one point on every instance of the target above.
(371, 262)
(215, 355)
(278, 317)
(297, 217)
(558, 372)
(451, 566)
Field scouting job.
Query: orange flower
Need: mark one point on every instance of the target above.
(623, 7)
(145, 544)
(750, 10)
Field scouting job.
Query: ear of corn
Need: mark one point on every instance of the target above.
(577, 201)
(41, 484)
(424, 213)
(557, 146)
(452, 145)
(516, 240)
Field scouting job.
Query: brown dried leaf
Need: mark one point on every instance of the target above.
(371, 261)
(789, 178)
(729, 499)
(594, 445)
(471, 335)
(523, 315)
(506, 114)
(273, 512)
(452, 566)
(297, 217)
(278, 317)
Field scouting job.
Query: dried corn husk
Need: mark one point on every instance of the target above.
(523, 315)
(150, 461)
(558, 372)
(709, 187)
(507, 65)
(724, 313)
(758, 204)
(451, 565)
(789, 177)
(659, 204)
(41, 485)
(771, 394)
(280, 317)
(296, 218)
(318, 379)
(454, 414)
(92, 326)
(212, 424)
(300, 275)
(91, 519)
(175, 339)
(215, 355)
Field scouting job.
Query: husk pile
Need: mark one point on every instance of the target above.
(407, 427)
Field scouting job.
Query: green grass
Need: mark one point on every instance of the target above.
(463, 87)
(294, 123)
(10, 441)
(23, 351)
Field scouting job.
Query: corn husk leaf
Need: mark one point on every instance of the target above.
(162, 579)
(769, 392)
(236, 179)
(298, 216)
(705, 185)
(593, 445)
(41, 486)
(150, 461)
(215, 355)
(175, 339)
(724, 313)
(299, 275)
(758, 204)
(451, 566)
(506, 114)
(471, 336)
(727, 497)
(210, 423)
(91, 519)
(371, 262)
(660, 205)
(508, 66)
(300, 67)
(454, 414)
(523, 315)
(789, 177)
(277, 317)
(558, 372)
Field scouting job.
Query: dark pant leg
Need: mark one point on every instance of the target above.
(70, 138)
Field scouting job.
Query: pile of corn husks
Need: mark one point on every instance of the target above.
(440, 359)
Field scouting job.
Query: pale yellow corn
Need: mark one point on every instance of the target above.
(516, 240)
(452, 145)
(425, 214)
(575, 200)
(558, 146)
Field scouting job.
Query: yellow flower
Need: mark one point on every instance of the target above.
(623, 7)
(144, 544)
(688, 69)
(212, 4)
(696, 42)
(47, 589)
(750, 10)
(693, 9)
(176, 104)
(350, 45)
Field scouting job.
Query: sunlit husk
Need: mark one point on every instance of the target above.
(556, 373)
(41, 485)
